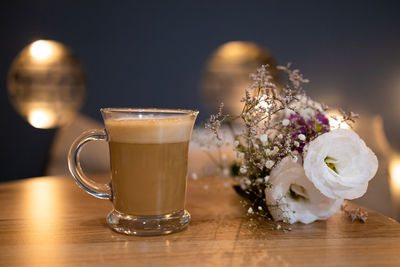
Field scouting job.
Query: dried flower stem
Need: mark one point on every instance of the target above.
(355, 214)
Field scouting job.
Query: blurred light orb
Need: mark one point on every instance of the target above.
(226, 74)
(41, 50)
(394, 170)
(46, 84)
(335, 120)
(41, 119)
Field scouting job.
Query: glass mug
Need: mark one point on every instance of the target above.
(149, 157)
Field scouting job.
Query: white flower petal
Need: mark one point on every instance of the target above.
(282, 206)
(355, 164)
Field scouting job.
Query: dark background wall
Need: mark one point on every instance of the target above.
(151, 54)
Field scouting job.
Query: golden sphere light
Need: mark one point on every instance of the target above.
(226, 74)
(46, 84)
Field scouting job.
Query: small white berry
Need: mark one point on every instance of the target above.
(264, 139)
(269, 164)
(285, 122)
(247, 181)
(240, 155)
(243, 169)
(302, 137)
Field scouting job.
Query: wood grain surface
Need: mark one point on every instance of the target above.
(49, 221)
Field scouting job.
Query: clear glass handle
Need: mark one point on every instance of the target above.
(98, 190)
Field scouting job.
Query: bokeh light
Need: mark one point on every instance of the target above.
(335, 120)
(394, 169)
(226, 74)
(42, 50)
(46, 84)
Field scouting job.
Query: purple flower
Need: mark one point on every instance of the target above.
(310, 128)
(324, 120)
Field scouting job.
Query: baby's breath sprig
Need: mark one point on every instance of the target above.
(258, 218)
(348, 117)
(215, 121)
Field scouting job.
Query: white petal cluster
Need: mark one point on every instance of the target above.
(269, 164)
(303, 107)
(354, 164)
(264, 139)
(245, 183)
(302, 137)
(243, 169)
(293, 198)
(285, 122)
(240, 155)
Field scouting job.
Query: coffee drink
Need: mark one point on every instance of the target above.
(149, 164)
(149, 157)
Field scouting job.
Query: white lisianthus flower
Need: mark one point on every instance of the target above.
(293, 198)
(339, 164)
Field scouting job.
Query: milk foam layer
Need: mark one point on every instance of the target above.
(150, 131)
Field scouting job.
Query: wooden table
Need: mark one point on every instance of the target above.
(50, 221)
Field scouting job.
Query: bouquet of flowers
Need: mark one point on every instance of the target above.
(292, 165)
